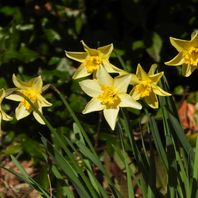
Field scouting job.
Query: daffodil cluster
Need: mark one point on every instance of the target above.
(107, 94)
(110, 94)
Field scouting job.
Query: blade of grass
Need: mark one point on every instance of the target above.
(128, 170)
(25, 177)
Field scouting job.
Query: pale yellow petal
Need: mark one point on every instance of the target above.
(121, 83)
(90, 51)
(37, 83)
(42, 102)
(90, 87)
(38, 117)
(187, 70)
(156, 77)
(106, 50)
(159, 91)
(134, 79)
(128, 101)
(177, 60)
(194, 40)
(180, 44)
(93, 105)
(77, 56)
(140, 73)
(21, 112)
(14, 97)
(111, 68)
(19, 83)
(152, 100)
(34, 83)
(103, 77)
(134, 94)
(81, 72)
(111, 116)
(5, 116)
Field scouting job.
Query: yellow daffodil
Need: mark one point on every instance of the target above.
(145, 86)
(32, 89)
(187, 56)
(3, 115)
(108, 95)
(91, 59)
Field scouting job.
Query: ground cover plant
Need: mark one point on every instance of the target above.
(93, 104)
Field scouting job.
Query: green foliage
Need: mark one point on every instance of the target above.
(79, 156)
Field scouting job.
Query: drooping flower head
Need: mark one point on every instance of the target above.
(91, 60)
(3, 115)
(108, 95)
(32, 89)
(187, 56)
(145, 86)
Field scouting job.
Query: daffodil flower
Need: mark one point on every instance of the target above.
(91, 60)
(32, 89)
(3, 115)
(145, 86)
(108, 95)
(187, 56)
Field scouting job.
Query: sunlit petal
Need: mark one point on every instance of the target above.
(77, 56)
(81, 72)
(43, 102)
(5, 116)
(195, 39)
(141, 74)
(38, 117)
(122, 82)
(21, 112)
(180, 44)
(156, 77)
(106, 50)
(14, 97)
(37, 83)
(90, 51)
(111, 116)
(103, 77)
(134, 94)
(152, 101)
(157, 90)
(90, 87)
(93, 105)
(177, 60)
(134, 79)
(19, 83)
(128, 101)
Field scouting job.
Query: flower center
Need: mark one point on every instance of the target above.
(92, 63)
(109, 97)
(191, 57)
(144, 88)
(32, 95)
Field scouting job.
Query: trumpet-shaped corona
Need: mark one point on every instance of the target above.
(191, 57)
(109, 97)
(92, 63)
(144, 88)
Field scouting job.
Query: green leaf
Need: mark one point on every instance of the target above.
(155, 48)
